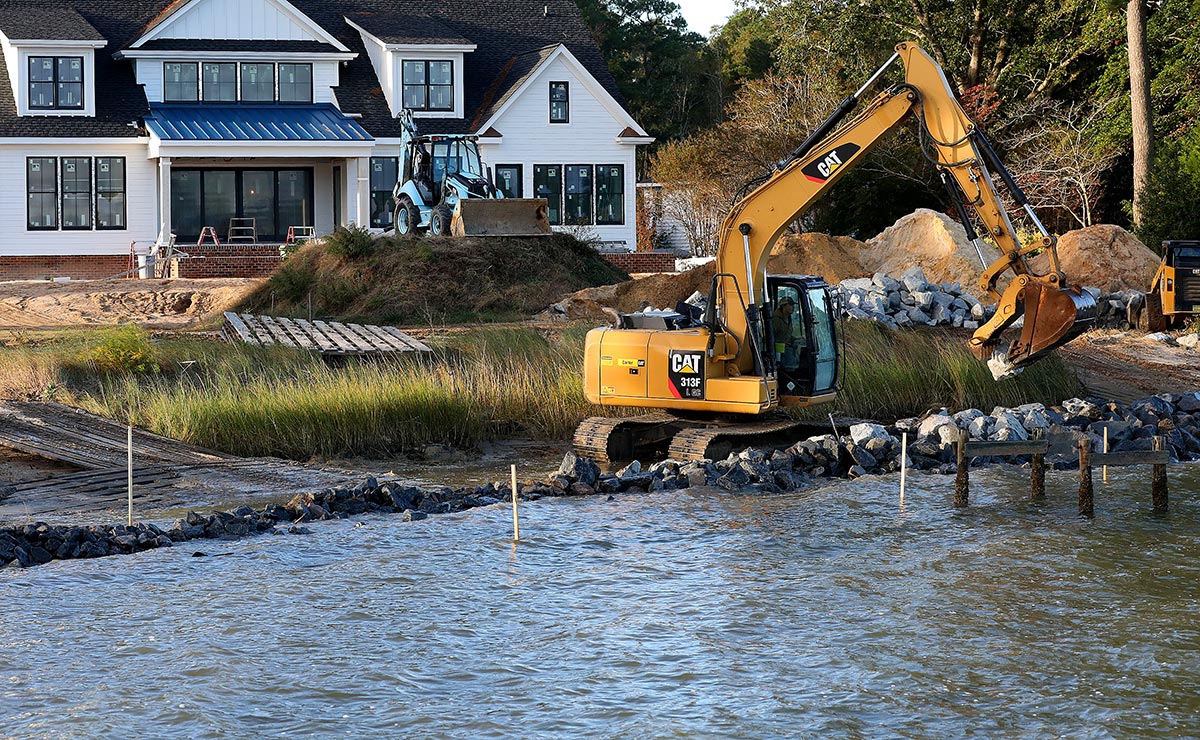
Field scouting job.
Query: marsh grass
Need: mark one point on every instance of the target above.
(479, 384)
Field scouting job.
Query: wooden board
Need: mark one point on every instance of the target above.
(1133, 457)
(1001, 449)
(326, 337)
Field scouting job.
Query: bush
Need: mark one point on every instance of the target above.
(126, 349)
(1171, 198)
(350, 242)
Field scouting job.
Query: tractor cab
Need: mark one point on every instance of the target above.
(803, 329)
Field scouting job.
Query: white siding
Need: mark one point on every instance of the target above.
(237, 19)
(141, 202)
(589, 138)
(325, 78)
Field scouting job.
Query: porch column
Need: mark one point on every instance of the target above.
(363, 200)
(164, 201)
(349, 191)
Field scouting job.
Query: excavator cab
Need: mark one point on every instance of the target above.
(804, 335)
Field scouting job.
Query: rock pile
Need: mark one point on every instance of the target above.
(911, 300)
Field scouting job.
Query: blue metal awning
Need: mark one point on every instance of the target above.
(298, 123)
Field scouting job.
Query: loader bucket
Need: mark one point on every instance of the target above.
(501, 217)
(1053, 317)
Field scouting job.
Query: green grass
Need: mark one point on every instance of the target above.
(891, 375)
(480, 384)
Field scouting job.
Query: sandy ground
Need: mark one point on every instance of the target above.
(158, 304)
(1126, 366)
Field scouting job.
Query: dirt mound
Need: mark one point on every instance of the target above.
(932, 240)
(161, 304)
(834, 258)
(1105, 257)
(421, 281)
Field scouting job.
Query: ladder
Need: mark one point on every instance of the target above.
(206, 231)
(300, 234)
(243, 229)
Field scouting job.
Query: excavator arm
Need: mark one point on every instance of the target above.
(1054, 311)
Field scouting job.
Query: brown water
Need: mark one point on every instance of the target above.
(820, 614)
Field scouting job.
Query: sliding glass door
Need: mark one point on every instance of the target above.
(274, 198)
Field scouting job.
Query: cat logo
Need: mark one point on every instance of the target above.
(685, 376)
(825, 165)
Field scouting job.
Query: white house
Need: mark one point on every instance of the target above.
(129, 123)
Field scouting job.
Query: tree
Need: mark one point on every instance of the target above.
(1060, 166)
(1139, 101)
(665, 72)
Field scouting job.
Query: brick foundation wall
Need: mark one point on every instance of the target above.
(79, 267)
(642, 261)
(228, 260)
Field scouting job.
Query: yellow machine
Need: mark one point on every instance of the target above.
(1174, 294)
(728, 361)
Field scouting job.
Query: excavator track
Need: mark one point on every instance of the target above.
(610, 439)
(715, 442)
(614, 439)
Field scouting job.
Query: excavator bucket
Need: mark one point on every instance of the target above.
(501, 217)
(1053, 317)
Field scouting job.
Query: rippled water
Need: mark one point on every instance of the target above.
(823, 614)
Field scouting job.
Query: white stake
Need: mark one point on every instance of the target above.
(835, 431)
(516, 521)
(130, 522)
(903, 462)
(1104, 470)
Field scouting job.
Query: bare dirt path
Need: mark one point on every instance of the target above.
(1125, 366)
(158, 304)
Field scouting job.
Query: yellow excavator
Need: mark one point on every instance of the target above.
(713, 375)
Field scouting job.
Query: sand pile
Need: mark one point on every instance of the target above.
(1106, 257)
(152, 303)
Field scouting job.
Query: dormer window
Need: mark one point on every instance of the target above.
(56, 83)
(258, 82)
(220, 82)
(180, 82)
(560, 102)
(429, 85)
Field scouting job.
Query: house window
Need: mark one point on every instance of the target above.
(383, 179)
(428, 85)
(41, 187)
(547, 183)
(509, 180)
(110, 192)
(295, 83)
(220, 82)
(560, 102)
(76, 193)
(258, 82)
(577, 204)
(56, 83)
(610, 194)
(180, 82)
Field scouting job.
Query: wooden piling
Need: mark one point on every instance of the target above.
(1086, 495)
(1037, 477)
(1158, 479)
(962, 485)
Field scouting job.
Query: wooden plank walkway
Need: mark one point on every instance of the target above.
(326, 337)
(168, 474)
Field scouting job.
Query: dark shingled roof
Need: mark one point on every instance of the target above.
(508, 33)
(305, 47)
(45, 23)
(400, 28)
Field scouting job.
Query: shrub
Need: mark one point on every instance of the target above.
(126, 349)
(350, 242)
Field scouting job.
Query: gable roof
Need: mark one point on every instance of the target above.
(45, 23)
(501, 30)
